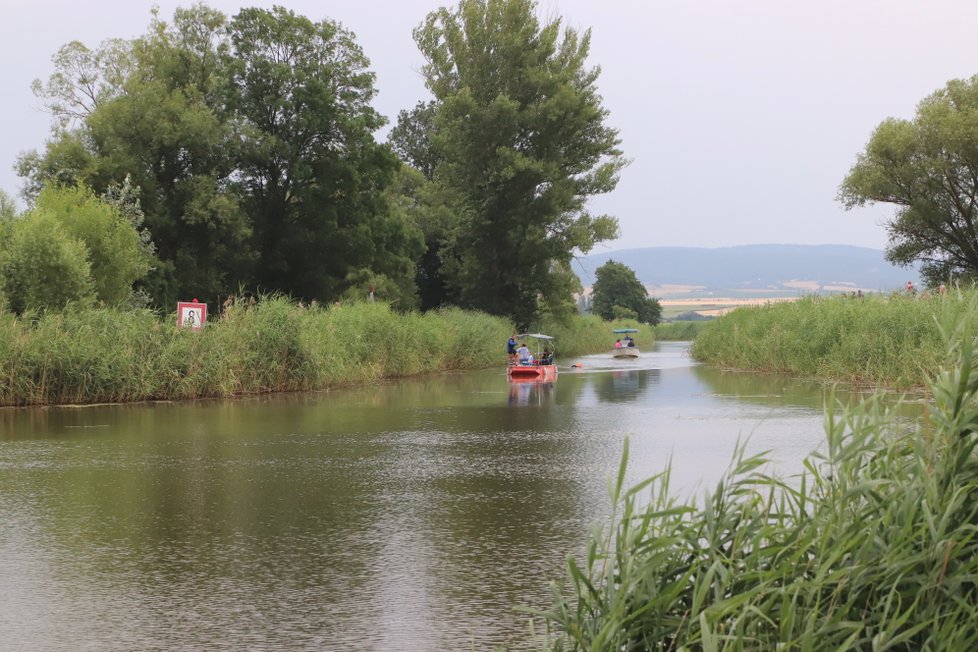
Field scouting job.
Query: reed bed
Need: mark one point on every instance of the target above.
(589, 334)
(679, 331)
(873, 547)
(269, 345)
(892, 341)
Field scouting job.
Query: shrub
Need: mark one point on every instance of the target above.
(43, 267)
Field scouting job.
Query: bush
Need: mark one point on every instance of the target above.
(112, 243)
(43, 267)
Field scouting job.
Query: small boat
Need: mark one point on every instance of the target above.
(539, 366)
(627, 349)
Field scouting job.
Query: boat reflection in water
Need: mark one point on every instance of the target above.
(530, 392)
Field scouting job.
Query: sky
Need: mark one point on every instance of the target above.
(740, 119)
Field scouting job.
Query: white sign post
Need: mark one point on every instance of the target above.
(191, 314)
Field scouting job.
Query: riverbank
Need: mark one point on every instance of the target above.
(269, 345)
(891, 341)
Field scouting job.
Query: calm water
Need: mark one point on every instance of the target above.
(409, 515)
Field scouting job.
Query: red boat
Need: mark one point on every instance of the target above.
(535, 367)
(533, 372)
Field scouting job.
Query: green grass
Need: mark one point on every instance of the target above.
(679, 331)
(589, 334)
(269, 345)
(272, 345)
(876, 340)
(873, 547)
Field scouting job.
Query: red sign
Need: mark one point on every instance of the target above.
(191, 314)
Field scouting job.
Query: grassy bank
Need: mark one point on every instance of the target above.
(679, 331)
(874, 547)
(876, 340)
(272, 345)
(589, 334)
(92, 356)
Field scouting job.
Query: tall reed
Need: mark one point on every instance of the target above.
(876, 340)
(589, 334)
(266, 345)
(679, 331)
(874, 546)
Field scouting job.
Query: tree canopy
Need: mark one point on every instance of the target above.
(250, 140)
(516, 137)
(928, 168)
(617, 293)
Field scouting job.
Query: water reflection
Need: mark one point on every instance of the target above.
(408, 515)
(626, 385)
(525, 393)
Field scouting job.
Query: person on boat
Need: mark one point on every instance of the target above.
(618, 343)
(511, 348)
(547, 357)
(629, 341)
(523, 353)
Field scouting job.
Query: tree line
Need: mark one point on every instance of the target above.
(240, 153)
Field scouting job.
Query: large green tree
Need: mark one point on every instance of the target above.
(310, 168)
(928, 168)
(519, 142)
(250, 140)
(617, 292)
(152, 110)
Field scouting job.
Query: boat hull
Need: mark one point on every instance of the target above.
(625, 352)
(532, 372)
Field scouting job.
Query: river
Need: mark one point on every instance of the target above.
(405, 515)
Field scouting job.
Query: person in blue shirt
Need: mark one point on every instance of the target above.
(511, 348)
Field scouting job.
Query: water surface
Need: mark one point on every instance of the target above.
(405, 515)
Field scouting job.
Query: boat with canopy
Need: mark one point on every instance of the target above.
(534, 365)
(625, 346)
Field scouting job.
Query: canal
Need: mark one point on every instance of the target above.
(407, 515)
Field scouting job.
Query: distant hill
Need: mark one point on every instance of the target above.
(757, 268)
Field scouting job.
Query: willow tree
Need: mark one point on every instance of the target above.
(519, 136)
(928, 169)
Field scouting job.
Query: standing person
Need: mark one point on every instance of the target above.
(511, 348)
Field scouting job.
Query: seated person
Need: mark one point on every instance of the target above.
(547, 357)
(524, 354)
(618, 343)
(629, 341)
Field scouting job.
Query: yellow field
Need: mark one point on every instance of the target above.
(714, 307)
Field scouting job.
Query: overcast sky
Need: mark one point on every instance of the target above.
(740, 118)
